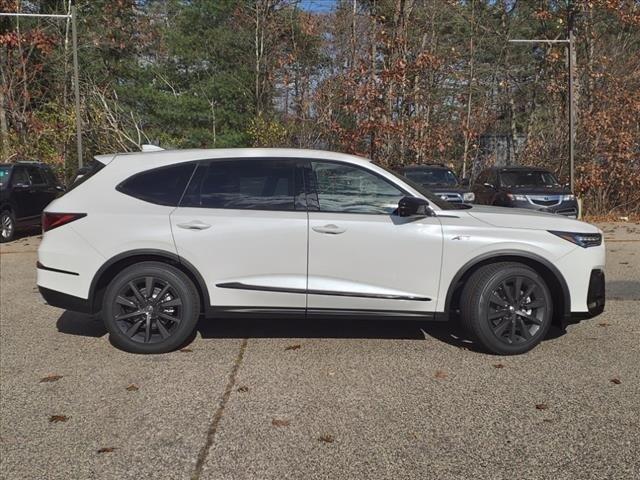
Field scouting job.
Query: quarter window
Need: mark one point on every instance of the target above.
(251, 184)
(348, 189)
(163, 186)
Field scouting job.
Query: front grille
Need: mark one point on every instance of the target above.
(450, 197)
(545, 200)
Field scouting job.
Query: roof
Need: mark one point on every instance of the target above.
(177, 156)
(517, 168)
(436, 166)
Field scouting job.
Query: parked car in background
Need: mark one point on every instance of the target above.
(441, 181)
(524, 187)
(154, 240)
(26, 188)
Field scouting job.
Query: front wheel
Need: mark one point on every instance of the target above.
(150, 307)
(506, 307)
(7, 226)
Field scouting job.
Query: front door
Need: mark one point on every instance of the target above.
(362, 255)
(243, 224)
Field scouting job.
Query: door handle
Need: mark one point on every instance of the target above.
(331, 229)
(194, 225)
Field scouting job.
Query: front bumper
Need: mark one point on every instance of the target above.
(65, 301)
(596, 294)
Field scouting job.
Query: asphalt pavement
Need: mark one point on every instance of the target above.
(325, 400)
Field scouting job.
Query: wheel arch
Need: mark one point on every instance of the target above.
(551, 275)
(115, 265)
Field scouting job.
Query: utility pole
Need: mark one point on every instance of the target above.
(71, 16)
(570, 43)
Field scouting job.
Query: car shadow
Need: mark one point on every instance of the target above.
(623, 290)
(451, 333)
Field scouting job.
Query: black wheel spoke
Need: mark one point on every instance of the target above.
(498, 301)
(125, 301)
(524, 329)
(148, 287)
(147, 330)
(169, 317)
(532, 305)
(528, 292)
(507, 292)
(498, 313)
(531, 318)
(502, 327)
(136, 292)
(161, 328)
(512, 332)
(518, 289)
(129, 315)
(133, 329)
(162, 292)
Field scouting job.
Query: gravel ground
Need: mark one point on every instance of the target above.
(284, 399)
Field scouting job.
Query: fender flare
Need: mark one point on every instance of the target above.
(150, 252)
(515, 254)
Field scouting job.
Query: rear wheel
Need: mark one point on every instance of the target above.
(150, 307)
(506, 307)
(7, 226)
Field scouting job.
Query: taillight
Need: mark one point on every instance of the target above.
(53, 220)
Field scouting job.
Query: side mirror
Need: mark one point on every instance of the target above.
(464, 182)
(413, 207)
(489, 185)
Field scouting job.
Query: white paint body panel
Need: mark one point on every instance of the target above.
(376, 254)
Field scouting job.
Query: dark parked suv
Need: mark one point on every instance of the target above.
(25, 189)
(524, 187)
(441, 181)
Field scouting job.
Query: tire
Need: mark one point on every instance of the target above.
(7, 226)
(150, 307)
(506, 308)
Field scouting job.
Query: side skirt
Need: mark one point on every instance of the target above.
(320, 313)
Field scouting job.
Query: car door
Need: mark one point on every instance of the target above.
(363, 257)
(23, 194)
(40, 188)
(243, 224)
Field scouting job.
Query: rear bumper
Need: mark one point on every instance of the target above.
(65, 301)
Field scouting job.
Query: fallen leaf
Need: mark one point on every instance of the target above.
(616, 381)
(50, 378)
(186, 350)
(106, 450)
(604, 324)
(541, 406)
(292, 347)
(132, 388)
(498, 365)
(277, 422)
(58, 418)
(326, 438)
(440, 374)
(243, 389)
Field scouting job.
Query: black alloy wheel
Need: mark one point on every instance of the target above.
(7, 226)
(506, 308)
(150, 307)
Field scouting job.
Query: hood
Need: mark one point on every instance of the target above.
(538, 190)
(506, 217)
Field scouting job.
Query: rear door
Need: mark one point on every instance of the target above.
(23, 194)
(362, 255)
(243, 224)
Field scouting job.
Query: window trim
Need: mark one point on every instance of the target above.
(298, 164)
(309, 191)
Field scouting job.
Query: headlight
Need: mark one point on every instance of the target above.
(585, 240)
(516, 197)
(468, 197)
(566, 198)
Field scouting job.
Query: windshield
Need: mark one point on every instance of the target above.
(444, 205)
(528, 178)
(4, 176)
(435, 176)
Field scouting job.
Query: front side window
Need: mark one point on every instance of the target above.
(248, 184)
(162, 186)
(20, 177)
(348, 189)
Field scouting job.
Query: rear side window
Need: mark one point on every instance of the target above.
(162, 186)
(85, 173)
(249, 184)
(36, 177)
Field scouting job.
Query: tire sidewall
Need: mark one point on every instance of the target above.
(483, 329)
(185, 289)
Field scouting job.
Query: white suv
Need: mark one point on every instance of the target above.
(154, 240)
